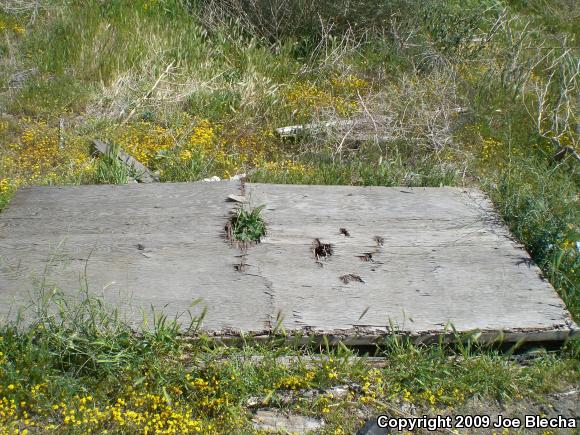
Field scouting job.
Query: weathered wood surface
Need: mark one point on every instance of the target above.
(100, 228)
(443, 259)
(143, 174)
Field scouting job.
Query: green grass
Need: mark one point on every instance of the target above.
(5, 199)
(110, 170)
(87, 363)
(247, 224)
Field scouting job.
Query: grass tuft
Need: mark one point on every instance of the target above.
(247, 224)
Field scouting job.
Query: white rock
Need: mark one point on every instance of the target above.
(339, 392)
(275, 421)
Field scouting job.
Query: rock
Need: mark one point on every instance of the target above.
(408, 408)
(214, 178)
(339, 392)
(238, 177)
(252, 402)
(372, 428)
(18, 79)
(310, 393)
(272, 420)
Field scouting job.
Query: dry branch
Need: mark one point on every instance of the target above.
(148, 94)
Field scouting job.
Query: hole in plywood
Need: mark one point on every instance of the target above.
(367, 256)
(379, 240)
(322, 250)
(344, 232)
(351, 277)
(240, 267)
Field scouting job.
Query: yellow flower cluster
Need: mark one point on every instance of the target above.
(428, 396)
(202, 141)
(323, 403)
(210, 394)
(8, 410)
(37, 155)
(457, 396)
(11, 26)
(156, 146)
(231, 151)
(17, 413)
(349, 85)
(140, 412)
(432, 397)
(289, 167)
(18, 29)
(145, 141)
(306, 99)
(296, 382)
(5, 185)
(253, 149)
(205, 143)
(490, 147)
(193, 404)
(372, 386)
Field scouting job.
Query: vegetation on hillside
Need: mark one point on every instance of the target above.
(466, 93)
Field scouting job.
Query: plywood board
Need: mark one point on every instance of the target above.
(427, 258)
(157, 245)
(413, 260)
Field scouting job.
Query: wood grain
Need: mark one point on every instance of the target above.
(445, 260)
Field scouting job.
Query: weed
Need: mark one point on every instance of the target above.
(5, 197)
(247, 224)
(110, 170)
(76, 366)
